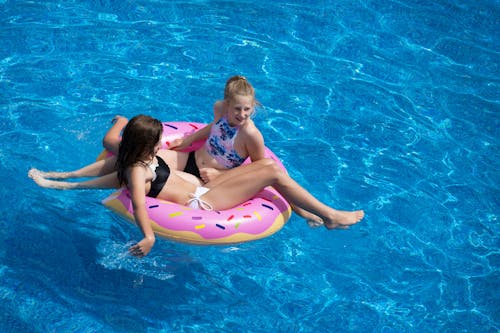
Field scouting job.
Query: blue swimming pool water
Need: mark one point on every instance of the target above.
(388, 106)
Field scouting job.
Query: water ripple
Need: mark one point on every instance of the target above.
(389, 106)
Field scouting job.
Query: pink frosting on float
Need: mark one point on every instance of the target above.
(252, 217)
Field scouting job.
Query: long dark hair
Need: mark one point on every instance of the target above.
(139, 139)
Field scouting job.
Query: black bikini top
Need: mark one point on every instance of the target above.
(160, 176)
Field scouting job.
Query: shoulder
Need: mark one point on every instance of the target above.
(253, 141)
(252, 133)
(250, 127)
(137, 178)
(136, 171)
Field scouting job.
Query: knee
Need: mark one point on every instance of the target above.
(272, 168)
(265, 162)
(105, 141)
(111, 143)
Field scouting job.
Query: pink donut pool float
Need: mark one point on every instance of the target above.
(261, 216)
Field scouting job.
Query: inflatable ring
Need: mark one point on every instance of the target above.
(261, 216)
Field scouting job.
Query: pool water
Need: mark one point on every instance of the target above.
(387, 106)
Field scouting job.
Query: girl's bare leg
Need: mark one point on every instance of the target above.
(96, 169)
(240, 185)
(312, 220)
(190, 178)
(107, 181)
(221, 176)
(112, 138)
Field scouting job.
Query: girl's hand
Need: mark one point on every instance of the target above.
(142, 248)
(178, 144)
(209, 174)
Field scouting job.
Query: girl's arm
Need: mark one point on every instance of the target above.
(136, 185)
(255, 145)
(202, 134)
(112, 138)
(183, 143)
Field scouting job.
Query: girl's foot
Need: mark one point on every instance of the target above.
(51, 174)
(343, 219)
(37, 176)
(315, 223)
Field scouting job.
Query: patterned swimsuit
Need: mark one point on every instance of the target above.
(220, 144)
